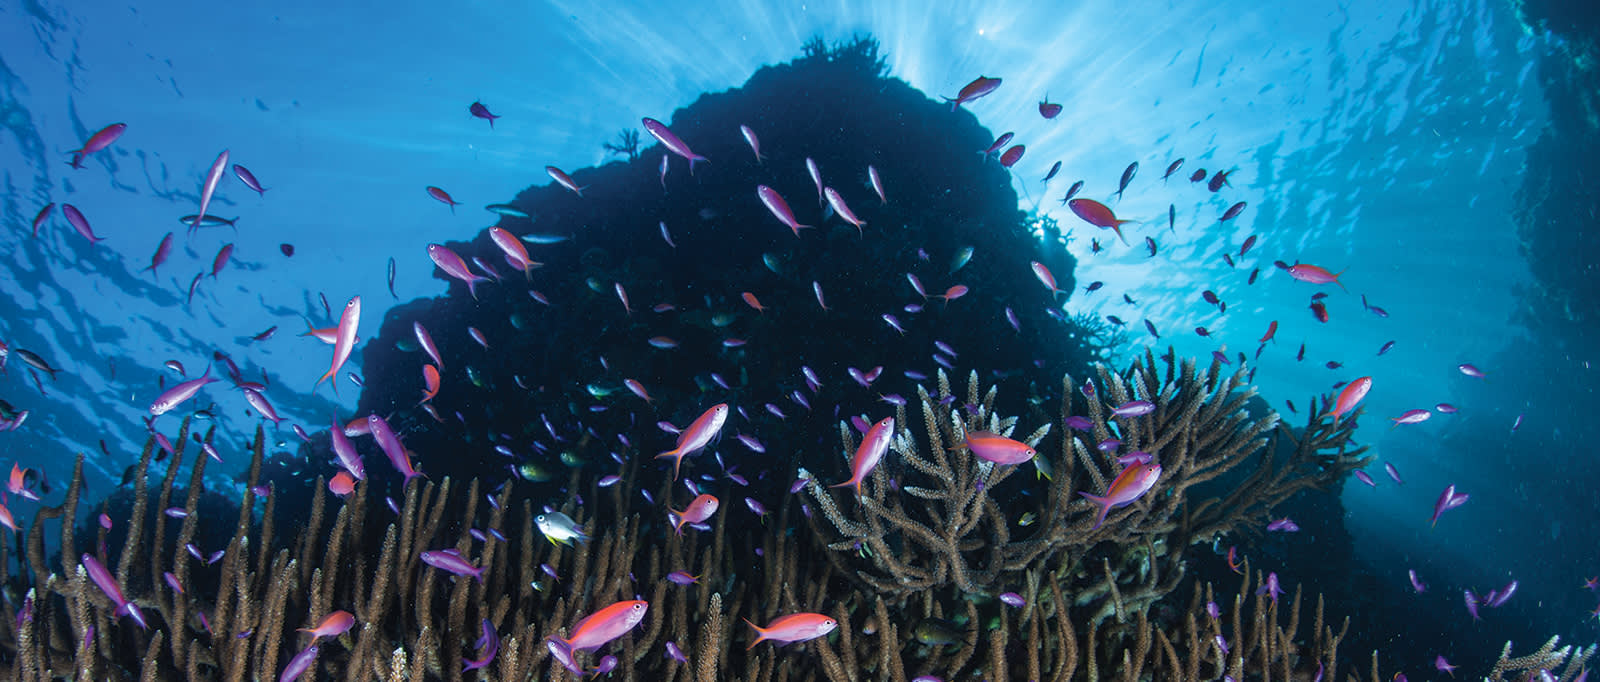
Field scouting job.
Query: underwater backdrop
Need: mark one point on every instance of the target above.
(1152, 340)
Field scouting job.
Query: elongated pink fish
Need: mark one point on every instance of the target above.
(177, 395)
(795, 627)
(96, 142)
(1046, 278)
(390, 444)
(816, 287)
(1313, 274)
(345, 342)
(259, 402)
(869, 453)
(213, 177)
(780, 208)
(663, 171)
(249, 179)
(602, 626)
(977, 88)
(1129, 485)
(837, 202)
(160, 256)
(426, 341)
(453, 266)
(80, 223)
(816, 177)
(346, 452)
(877, 183)
(223, 254)
(755, 144)
(516, 253)
(699, 434)
(672, 142)
(566, 180)
(333, 625)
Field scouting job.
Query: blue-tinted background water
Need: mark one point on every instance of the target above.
(1383, 139)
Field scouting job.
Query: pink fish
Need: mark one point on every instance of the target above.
(871, 450)
(96, 142)
(391, 446)
(80, 223)
(515, 252)
(345, 450)
(1001, 142)
(453, 266)
(335, 624)
(344, 342)
(259, 402)
(249, 179)
(664, 158)
(177, 395)
(600, 627)
(160, 256)
(974, 90)
(107, 584)
(478, 110)
(213, 177)
(1470, 370)
(698, 511)
(877, 184)
(816, 287)
(755, 144)
(443, 196)
(426, 341)
(779, 208)
(637, 389)
(1411, 417)
(699, 434)
(451, 561)
(795, 627)
(837, 202)
(1129, 485)
(1448, 500)
(622, 295)
(1046, 278)
(816, 177)
(1315, 275)
(954, 293)
(430, 383)
(223, 254)
(672, 142)
(565, 180)
(40, 217)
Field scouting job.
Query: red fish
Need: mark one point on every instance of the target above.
(566, 181)
(213, 177)
(1351, 395)
(993, 447)
(1272, 330)
(1098, 215)
(332, 626)
(602, 626)
(516, 253)
(443, 196)
(1319, 311)
(40, 217)
(430, 383)
(751, 300)
(96, 142)
(672, 142)
(779, 208)
(1013, 155)
(795, 627)
(1048, 110)
(871, 450)
(344, 342)
(974, 90)
(699, 434)
(160, 256)
(837, 202)
(452, 265)
(479, 110)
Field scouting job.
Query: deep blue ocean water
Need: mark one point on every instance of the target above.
(1385, 140)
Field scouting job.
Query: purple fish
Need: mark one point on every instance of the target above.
(453, 266)
(1285, 524)
(1365, 478)
(1445, 408)
(1212, 610)
(391, 446)
(299, 664)
(450, 560)
(1416, 583)
(108, 585)
(1472, 603)
(1503, 595)
(213, 177)
(179, 394)
(345, 450)
(1271, 587)
(1012, 599)
(755, 506)
(1079, 423)
(259, 402)
(249, 179)
(1393, 473)
(607, 664)
(479, 110)
(672, 142)
(674, 653)
(1134, 408)
(489, 643)
(682, 578)
(1448, 500)
(79, 223)
(96, 142)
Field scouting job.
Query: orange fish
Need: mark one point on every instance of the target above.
(993, 447)
(342, 484)
(1099, 215)
(751, 300)
(795, 627)
(699, 434)
(1129, 485)
(1272, 329)
(334, 625)
(430, 383)
(869, 453)
(602, 626)
(1352, 394)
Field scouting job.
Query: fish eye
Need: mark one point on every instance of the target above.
(539, 519)
(638, 607)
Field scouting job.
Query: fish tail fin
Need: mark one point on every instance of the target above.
(675, 463)
(853, 483)
(1105, 508)
(761, 635)
(1341, 284)
(472, 287)
(953, 102)
(1117, 228)
(696, 157)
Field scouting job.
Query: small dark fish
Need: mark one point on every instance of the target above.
(1333, 365)
(391, 279)
(1151, 245)
(1227, 259)
(1233, 211)
(1253, 274)
(1218, 180)
(287, 249)
(1093, 287)
(1115, 320)
(208, 220)
(1222, 307)
(1152, 327)
(1127, 177)
(263, 336)
(479, 110)
(1129, 300)
(1248, 242)
(1319, 295)
(1202, 331)
(1072, 192)
(1386, 347)
(1290, 403)
(1375, 310)
(1319, 311)
(1094, 246)
(192, 284)
(1172, 169)
(1199, 174)
(1280, 265)
(1172, 218)
(1210, 297)
(1053, 170)
(325, 310)
(249, 179)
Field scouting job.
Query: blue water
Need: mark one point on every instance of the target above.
(1382, 139)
